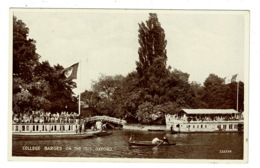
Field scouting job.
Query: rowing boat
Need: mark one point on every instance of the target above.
(147, 143)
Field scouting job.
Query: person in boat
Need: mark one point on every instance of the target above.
(132, 138)
(93, 128)
(156, 141)
(104, 126)
(165, 140)
(99, 125)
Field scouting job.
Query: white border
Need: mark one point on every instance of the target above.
(145, 4)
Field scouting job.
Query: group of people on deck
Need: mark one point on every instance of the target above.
(45, 117)
(215, 117)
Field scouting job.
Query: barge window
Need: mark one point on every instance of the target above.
(23, 128)
(201, 126)
(16, 128)
(205, 126)
(193, 126)
(235, 126)
(198, 126)
(224, 127)
(27, 127)
(230, 126)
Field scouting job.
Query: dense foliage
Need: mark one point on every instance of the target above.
(37, 85)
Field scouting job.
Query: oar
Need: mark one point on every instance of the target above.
(131, 138)
(157, 145)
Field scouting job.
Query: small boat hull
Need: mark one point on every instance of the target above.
(156, 130)
(147, 143)
(101, 133)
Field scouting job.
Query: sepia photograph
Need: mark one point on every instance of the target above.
(129, 85)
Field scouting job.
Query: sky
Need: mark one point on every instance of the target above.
(106, 41)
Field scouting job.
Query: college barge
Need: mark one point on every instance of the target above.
(205, 120)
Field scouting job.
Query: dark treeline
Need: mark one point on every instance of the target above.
(37, 85)
(143, 96)
(123, 97)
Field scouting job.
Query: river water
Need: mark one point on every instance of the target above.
(188, 146)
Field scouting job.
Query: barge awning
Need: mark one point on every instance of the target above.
(210, 111)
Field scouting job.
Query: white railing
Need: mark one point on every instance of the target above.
(45, 127)
(106, 118)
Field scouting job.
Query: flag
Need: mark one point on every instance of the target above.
(71, 72)
(230, 80)
(234, 78)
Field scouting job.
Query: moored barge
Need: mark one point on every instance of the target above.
(205, 120)
(48, 131)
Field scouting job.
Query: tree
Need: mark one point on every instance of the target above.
(198, 92)
(231, 96)
(25, 57)
(37, 85)
(102, 98)
(128, 96)
(157, 85)
(145, 113)
(152, 52)
(216, 94)
(62, 97)
(89, 103)
(107, 85)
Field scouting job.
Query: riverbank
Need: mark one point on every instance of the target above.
(144, 127)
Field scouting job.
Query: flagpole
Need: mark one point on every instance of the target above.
(79, 85)
(237, 94)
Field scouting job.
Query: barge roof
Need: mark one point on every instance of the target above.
(210, 111)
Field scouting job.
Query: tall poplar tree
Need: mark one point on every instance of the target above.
(152, 73)
(152, 51)
(151, 67)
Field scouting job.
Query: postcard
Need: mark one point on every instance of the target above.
(129, 85)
